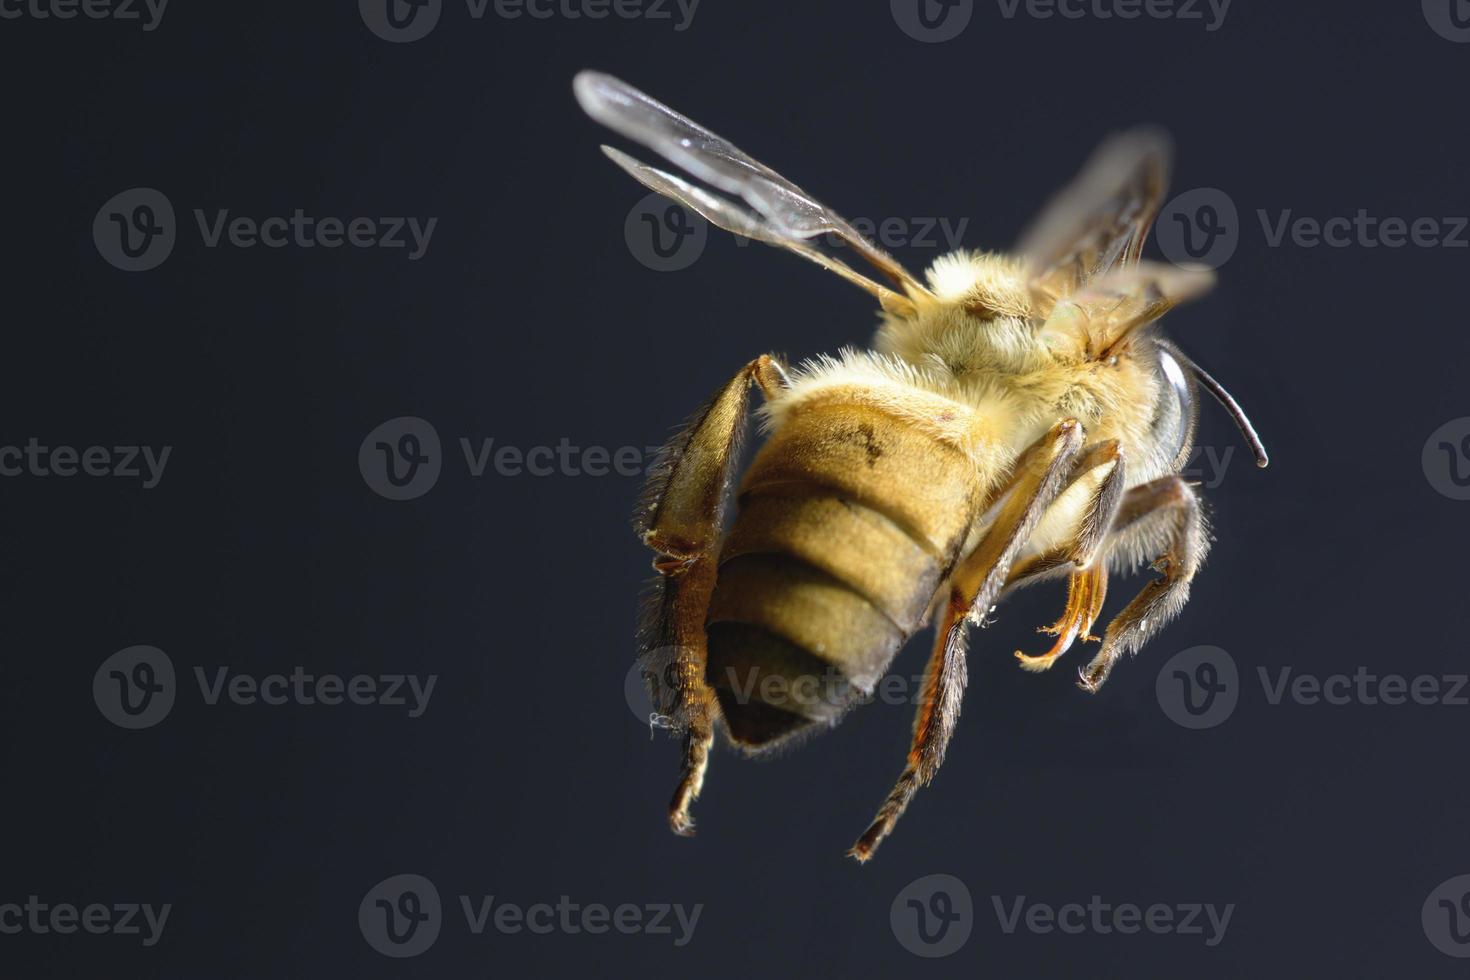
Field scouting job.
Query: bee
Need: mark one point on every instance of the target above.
(1019, 418)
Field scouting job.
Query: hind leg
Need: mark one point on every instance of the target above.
(973, 587)
(680, 518)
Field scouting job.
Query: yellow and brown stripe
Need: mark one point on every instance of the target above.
(850, 517)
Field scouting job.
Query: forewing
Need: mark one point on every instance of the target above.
(732, 218)
(790, 214)
(1098, 223)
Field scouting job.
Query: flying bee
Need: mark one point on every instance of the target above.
(1019, 419)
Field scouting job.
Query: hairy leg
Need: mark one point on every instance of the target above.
(680, 518)
(973, 588)
(1166, 507)
(1087, 583)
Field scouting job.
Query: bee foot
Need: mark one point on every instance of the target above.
(1036, 664)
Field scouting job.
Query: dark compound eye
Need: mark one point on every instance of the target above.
(1174, 421)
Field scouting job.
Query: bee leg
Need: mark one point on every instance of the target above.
(672, 653)
(1166, 510)
(973, 588)
(680, 518)
(1086, 591)
(1087, 585)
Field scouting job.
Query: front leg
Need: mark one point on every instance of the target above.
(680, 518)
(1087, 583)
(973, 588)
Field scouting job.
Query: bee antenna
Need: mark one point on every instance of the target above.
(1242, 422)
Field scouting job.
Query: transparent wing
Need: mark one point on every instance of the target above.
(722, 214)
(1098, 223)
(784, 214)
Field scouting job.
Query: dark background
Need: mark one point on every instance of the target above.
(529, 321)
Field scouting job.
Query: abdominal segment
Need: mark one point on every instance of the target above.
(849, 520)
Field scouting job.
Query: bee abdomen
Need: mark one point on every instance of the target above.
(849, 519)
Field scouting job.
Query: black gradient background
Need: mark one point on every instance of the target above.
(529, 321)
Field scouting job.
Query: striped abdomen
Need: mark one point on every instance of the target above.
(849, 519)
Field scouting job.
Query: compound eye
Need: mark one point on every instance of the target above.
(1174, 423)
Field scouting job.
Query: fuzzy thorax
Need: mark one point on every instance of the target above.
(981, 370)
